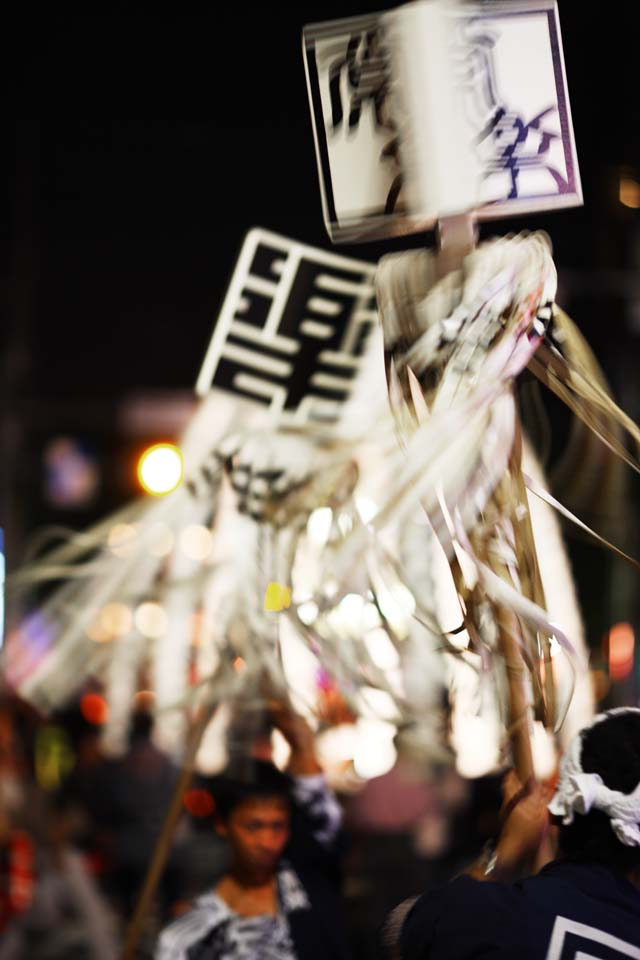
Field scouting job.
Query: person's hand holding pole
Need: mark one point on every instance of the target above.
(523, 845)
(299, 736)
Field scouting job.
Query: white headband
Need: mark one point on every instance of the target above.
(580, 792)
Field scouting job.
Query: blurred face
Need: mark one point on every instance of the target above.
(257, 831)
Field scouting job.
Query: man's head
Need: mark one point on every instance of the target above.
(253, 813)
(610, 749)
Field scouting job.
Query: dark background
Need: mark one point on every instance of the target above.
(140, 148)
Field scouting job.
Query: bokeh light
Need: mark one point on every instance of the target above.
(199, 802)
(54, 757)
(476, 742)
(629, 193)
(308, 611)
(27, 646)
(160, 469)
(71, 473)
(110, 622)
(196, 542)
(375, 752)
(144, 700)
(319, 525)
(94, 709)
(122, 539)
(161, 540)
(621, 643)
(151, 620)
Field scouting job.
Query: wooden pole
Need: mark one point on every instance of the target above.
(165, 838)
(457, 237)
(519, 708)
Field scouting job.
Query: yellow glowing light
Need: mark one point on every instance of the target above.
(151, 620)
(54, 757)
(160, 469)
(196, 541)
(277, 597)
(629, 193)
(110, 622)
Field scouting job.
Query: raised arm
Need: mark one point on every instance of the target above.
(313, 797)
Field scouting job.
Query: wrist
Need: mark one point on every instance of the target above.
(512, 861)
(499, 862)
(303, 763)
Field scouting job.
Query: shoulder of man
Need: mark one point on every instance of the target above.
(456, 919)
(207, 913)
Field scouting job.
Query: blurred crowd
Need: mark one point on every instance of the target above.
(78, 830)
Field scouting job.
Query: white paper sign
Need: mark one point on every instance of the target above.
(292, 330)
(381, 91)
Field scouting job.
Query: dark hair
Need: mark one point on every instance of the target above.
(247, 779)
(141, 726)
(611, 748)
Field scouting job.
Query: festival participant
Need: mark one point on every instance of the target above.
(56, 910)
(279, 898)
(17, 871)
(584, 904)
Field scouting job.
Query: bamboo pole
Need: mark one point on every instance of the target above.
(456, 236)
(519, 709)
(165, 838)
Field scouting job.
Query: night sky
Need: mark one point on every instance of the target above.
(141, 148)
(154, 142)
